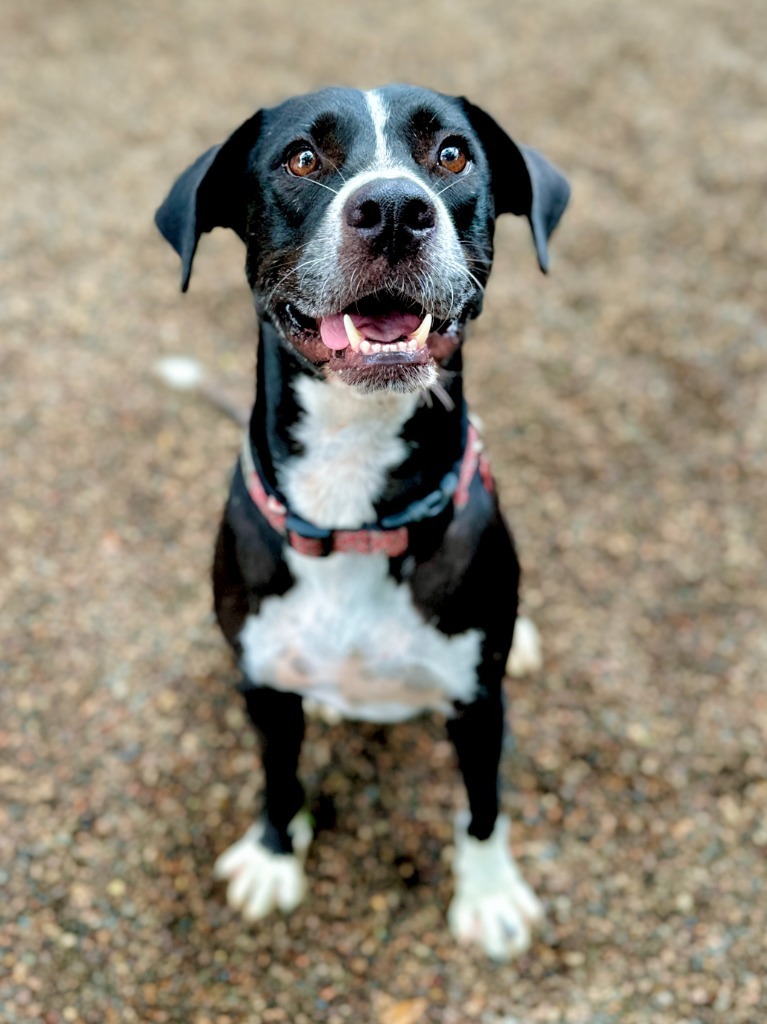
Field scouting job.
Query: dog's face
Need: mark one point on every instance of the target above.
(368, 220)
(370, 230)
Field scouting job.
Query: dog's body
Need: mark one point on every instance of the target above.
(362, 562)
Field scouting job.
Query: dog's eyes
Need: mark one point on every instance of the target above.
(453, 158)
(302, 162)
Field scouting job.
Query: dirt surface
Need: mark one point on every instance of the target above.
(625, 403)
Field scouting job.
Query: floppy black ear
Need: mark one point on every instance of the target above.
(207, 195)
(524, 182)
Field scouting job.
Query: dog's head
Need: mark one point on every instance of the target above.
(368, 220)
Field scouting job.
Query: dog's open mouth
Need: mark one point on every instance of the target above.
(379, 341)
(394, 332)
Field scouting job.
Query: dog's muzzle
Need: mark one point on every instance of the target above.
(385, 305)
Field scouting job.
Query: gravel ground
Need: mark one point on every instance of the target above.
(625, 404)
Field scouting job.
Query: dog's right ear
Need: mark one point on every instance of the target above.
(524, 182)
(209, 194)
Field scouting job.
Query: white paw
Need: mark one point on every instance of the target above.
(261, 881)
(525, 655)
(493, 905)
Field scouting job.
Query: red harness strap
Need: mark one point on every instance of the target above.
(364, 542)
(473, 460)
(391, 542)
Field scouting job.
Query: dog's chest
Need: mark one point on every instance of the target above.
(347, 634)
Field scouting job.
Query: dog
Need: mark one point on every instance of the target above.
(362, 562)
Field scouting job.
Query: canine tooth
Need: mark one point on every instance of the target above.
(354, 336)
(420, 335)
(365, 347)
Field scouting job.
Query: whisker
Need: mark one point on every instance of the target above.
(337, 169)
(452, 184)
(321, 184)
(443, 396)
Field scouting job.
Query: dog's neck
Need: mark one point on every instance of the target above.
(307, 433)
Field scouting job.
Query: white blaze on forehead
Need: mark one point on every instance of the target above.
(379, 114)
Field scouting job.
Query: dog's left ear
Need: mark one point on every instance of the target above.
(524, 183)
(207, 195)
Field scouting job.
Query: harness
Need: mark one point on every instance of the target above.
(390, 534)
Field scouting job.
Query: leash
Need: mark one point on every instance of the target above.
(391, 535)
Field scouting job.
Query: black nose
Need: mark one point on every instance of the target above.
(393, 215)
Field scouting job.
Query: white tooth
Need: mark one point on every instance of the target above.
(365, 347)
(354, 336)
(375, 347)
(412, 345)
(402, 346)
(420, 335)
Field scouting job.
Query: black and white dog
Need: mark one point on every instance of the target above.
(362, 562)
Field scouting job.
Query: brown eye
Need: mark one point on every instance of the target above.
(453, 158)
(303, 162)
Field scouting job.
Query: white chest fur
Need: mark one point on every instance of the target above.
(350, 441)
(347, 634)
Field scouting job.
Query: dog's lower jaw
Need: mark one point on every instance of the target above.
(397, 373)
(398, 377)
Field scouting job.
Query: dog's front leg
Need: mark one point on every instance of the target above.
(492, 905)
(265, 869)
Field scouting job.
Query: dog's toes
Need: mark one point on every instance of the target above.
(276, 886)
(494, 923)
(525, 656)
(261, 881)
(493, 906)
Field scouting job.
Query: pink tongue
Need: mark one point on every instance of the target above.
(376, 328)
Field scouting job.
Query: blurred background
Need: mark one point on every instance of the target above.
(625, 408)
